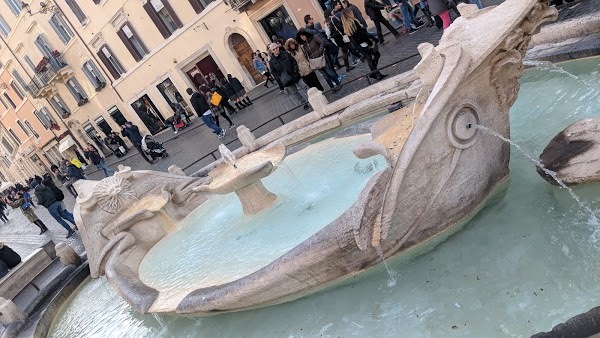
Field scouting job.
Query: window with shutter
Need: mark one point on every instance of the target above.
(9, 100)
(132, 41)
(60, 27)
(112, 64)
(3, 103)
(22, 126)
(33, 131)
(163, 16)
(59, 105)
(79, 14)
(44, 117)
(4, 27)
(200, 5)
(29, 61)
(14, 136)
(17, 90)
(93, 74)
(15, 6)
(76, 90)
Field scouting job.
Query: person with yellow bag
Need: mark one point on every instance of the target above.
(215, 99)
(76, 162)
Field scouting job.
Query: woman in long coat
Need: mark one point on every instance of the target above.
(27, 210)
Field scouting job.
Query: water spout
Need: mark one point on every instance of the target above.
(549, 66)
(227, 156)
(593, 219)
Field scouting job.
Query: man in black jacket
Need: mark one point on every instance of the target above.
(373, 9)
(47, 198)
(203, 110)
(284, 67)
(133, 132)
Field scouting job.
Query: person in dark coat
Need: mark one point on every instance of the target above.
(360, 37)
(47, 198)
(9, 256)
(337, 34)
(373, 9)
(284, 67)
(241, 96)
(314, 48)
(2, 214)
(202, 108)
(133, 132)
(92, 154)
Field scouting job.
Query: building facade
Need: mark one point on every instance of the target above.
(87, 67)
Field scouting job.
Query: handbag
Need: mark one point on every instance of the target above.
(285, 78)
(317, 63)
(215, 99)
(346, 38)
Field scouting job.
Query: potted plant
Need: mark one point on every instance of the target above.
(82, 101)
(42, 65)
(55, 53)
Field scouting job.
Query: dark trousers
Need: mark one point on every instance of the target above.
(226, 118)
(371, 55)
(141, 151)
(312, 80)
(3, 216)
(72, 190)
(225, 103)
(382, 20)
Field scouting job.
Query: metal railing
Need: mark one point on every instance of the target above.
(43, 79)
(280, 119)
(237, 4)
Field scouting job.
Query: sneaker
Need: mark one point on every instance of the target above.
(71, 232)
(176, 131)
(280, 92)
(307, 106)
(222, 134)
(335, 89)
(231, 126)
(341, 77)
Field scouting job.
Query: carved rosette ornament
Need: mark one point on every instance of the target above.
(112, 193)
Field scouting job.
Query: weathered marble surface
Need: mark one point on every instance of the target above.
(574, 154)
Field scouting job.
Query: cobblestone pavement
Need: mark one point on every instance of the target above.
(191, 144)
(23, 236)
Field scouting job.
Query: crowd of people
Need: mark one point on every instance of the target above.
(47, 195)
(292, 64)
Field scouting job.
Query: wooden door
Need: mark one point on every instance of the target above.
(244, 56)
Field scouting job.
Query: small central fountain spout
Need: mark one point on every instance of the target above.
(227, 156)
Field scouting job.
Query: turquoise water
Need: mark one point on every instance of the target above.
(523, 264)
(217, 243)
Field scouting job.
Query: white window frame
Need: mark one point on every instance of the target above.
(93, 73)
(4, 27)
(33, 131)
(15, 6)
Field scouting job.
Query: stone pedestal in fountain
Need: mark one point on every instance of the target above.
(243, 176)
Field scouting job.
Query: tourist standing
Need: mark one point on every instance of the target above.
(18, 201)
(373, 9)
(360, 37)
(212, 97)
(240, 91)
(48, 198)
(133, 132)
(66, 180)
(261, 67)
(336, 30)
(92, 154)
(203, 110)
(314, 48)
(308, 75)
(284, 67)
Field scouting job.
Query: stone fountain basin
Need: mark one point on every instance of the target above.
(439, 175)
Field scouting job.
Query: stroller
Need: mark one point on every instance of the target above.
(153, 148)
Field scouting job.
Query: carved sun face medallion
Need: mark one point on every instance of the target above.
(112, 193)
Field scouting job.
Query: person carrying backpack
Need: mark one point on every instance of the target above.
(50, 198)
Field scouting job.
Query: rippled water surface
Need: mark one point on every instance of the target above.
(523, 264)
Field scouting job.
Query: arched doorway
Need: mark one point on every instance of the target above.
(244, 55)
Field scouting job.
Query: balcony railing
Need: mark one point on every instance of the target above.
(238, 4)
(44, 78)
